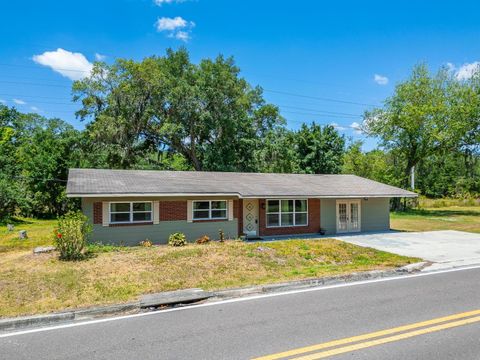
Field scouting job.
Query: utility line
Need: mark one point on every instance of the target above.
(36, 67)
(34, 84)
(320, 112)
(323, 111)
(317, 115)
(33, 96)
(266, 90)
(317, 98)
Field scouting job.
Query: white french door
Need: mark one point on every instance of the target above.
(348, 216)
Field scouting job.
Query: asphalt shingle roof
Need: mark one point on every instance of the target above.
(92, 182)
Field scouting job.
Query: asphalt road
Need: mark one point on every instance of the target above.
(269, 325)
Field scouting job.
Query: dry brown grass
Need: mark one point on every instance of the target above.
(41, 283)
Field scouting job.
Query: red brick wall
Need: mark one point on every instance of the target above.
(97, 213)
(172, 210)
(312, 227)
(238, 214)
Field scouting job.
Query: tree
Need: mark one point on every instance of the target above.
(278, 152)
(118, 99)
(319, 150)
(47, 152)
(10, 183)
(416, 121)
(206, 113)
(375, 164)
(35, 155)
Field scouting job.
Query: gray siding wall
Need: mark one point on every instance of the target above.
(328, 216)
(375, 213)
(158, 233)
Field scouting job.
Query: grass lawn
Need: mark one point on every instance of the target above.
(32, 284)
(462, 218)
(40, 233)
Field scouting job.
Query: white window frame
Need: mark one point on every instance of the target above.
(130, 212)
(279, 213)
(209, 210)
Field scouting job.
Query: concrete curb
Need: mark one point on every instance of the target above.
(415, 267)
(98, 311)
(323, 281)
(37, 320)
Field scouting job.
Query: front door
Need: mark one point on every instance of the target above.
(250, 217)
(348, 216)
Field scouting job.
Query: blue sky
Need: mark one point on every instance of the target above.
(340, 56)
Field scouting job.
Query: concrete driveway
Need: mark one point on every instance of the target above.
(446, 249)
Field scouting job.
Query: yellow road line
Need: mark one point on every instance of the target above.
(390, 339)
(367, 336)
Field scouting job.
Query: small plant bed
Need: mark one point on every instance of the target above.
(33, 284)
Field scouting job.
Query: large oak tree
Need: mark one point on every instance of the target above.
(206, 112)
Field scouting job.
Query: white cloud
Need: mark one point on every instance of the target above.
(161, 2)
(100, 57)
(356, 127)
(175, 23)
(182, 35)
(34, 108)
(338, 127)
(177, 27)
(19, 101)
(2, 101)
(450, 66)
(380, 79)
(465, 71)
(74, 66)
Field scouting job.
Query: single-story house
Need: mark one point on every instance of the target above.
(128, 206)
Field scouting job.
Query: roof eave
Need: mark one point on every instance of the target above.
(116, 195)
(352, 196)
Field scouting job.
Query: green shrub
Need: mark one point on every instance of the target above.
(177, 239)
(71, 235)
(203, 240)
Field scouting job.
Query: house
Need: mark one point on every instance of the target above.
(128, 206)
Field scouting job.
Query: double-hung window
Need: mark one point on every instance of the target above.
(130, 212)
(287, 213)
(209, 209)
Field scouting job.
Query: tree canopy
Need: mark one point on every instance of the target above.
(207, 113)
(431, 119)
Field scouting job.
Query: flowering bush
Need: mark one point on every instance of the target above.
(177, 239)
(71, 235)
(146, 243)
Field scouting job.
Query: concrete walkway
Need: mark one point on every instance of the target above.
(446, 249)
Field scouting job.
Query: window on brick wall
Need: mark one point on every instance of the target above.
(130, 212)
(282, 213)
(209, 209)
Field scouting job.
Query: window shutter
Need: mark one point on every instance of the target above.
(156, 212)
(105, 213)
(189, 211)
(230, 210)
